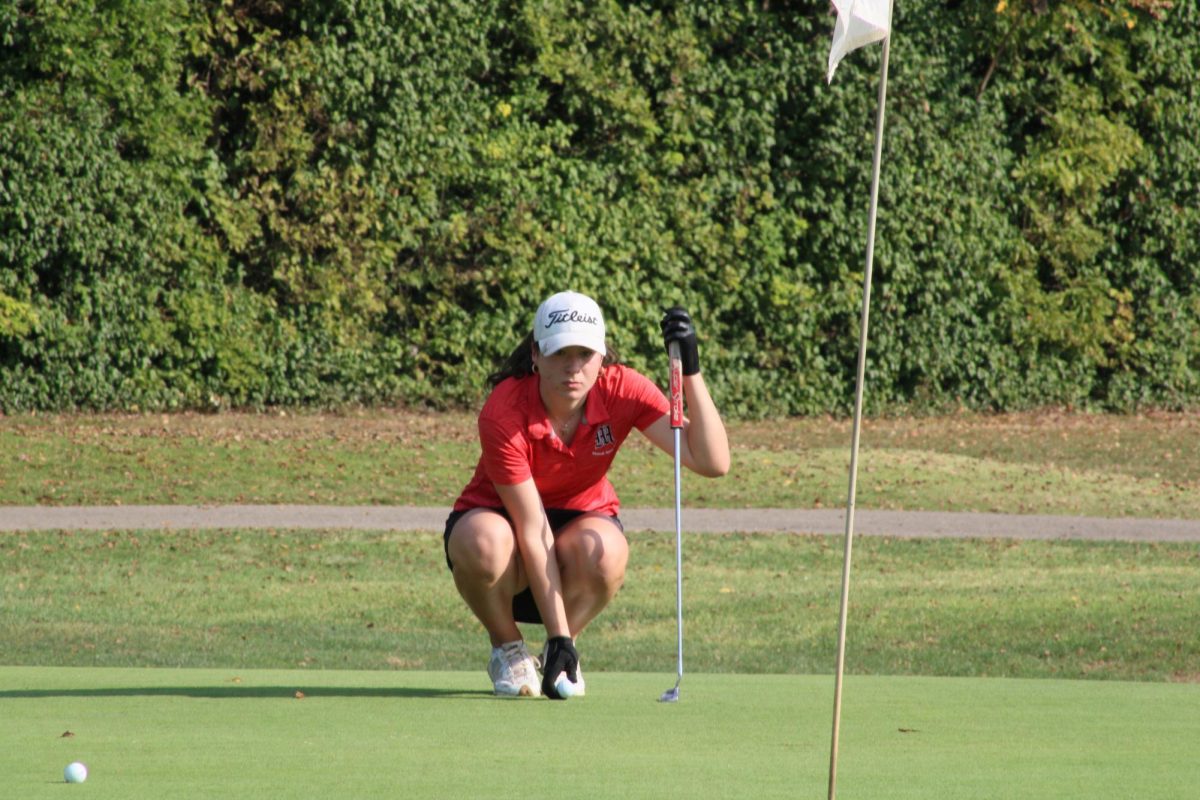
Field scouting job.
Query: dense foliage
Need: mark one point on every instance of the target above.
(252, 202)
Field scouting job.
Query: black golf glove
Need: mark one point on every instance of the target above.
(677, 327)
(560, 658)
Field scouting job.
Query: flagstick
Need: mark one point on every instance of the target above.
(854, 438)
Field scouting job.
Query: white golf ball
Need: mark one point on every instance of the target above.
(76, 772)
(564, 685)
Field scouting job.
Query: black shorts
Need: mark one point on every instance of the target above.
(524, 607)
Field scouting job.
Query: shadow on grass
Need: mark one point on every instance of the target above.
(253, 692)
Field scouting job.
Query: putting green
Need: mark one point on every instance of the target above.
(227, 733)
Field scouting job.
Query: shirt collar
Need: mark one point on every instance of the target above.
(539, 420)
(595, 411)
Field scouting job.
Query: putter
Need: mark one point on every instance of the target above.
(672, 695)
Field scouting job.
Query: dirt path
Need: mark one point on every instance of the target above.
(908, 524)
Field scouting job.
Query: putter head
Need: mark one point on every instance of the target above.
(670, 696)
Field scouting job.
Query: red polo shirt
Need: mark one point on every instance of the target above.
(519, 442)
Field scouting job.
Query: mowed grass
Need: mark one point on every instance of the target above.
(341, 664)
(332, 734)
(253, 599)
(1045, 462)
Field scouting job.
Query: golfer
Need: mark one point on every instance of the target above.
(534, 537)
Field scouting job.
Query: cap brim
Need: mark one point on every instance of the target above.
(552, 344)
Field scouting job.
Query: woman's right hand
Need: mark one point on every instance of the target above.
(677, 327)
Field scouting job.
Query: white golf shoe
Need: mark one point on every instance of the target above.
(513, 671)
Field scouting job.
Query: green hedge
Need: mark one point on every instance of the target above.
(252, 202)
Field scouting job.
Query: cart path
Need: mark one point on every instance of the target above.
(903, 524)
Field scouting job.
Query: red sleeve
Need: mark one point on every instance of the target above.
(506, 453)
(650, 402)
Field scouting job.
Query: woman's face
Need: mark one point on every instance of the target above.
(569, 373)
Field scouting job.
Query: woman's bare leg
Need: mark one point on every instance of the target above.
(488, 571)
(592, 554)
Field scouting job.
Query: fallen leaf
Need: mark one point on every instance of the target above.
(299, 695)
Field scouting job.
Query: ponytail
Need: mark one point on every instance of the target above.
(518, 364)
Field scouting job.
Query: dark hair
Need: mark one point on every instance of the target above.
(520, 361)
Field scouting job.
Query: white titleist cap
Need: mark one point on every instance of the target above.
(566, 319)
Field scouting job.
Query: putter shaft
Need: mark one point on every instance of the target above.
(676, 389)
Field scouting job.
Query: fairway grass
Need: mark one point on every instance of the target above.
(306, 664)
(187, 733)
(338, 599)
(1035, 463)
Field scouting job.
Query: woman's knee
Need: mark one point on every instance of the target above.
(482, 545)
(595, 553)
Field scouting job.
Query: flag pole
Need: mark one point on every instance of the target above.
(857, 427)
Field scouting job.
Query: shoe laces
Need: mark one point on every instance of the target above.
(516, 659)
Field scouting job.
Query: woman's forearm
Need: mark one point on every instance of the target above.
(706, 437)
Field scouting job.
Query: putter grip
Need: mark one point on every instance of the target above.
(676, 384)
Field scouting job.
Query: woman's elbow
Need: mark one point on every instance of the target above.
(714, 469)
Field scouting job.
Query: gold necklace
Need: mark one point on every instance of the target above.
(564, 429)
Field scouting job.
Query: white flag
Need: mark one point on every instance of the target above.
(859, 22)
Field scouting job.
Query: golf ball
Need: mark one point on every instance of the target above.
(75, 772)
(564, 686)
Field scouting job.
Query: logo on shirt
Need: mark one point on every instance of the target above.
(604, 440)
